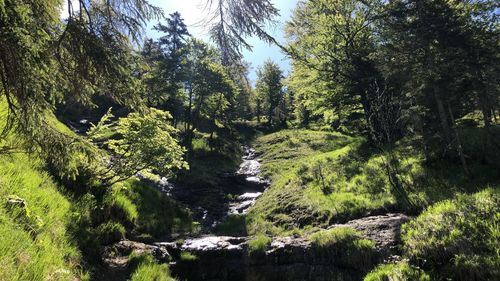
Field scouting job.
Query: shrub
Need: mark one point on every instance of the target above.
(259, 243)
(458, 238)
(401, 271)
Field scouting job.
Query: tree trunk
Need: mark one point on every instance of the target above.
(459, 146)
(442, 115)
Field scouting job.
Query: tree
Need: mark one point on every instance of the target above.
(138, 142)
(210, 91)
(45, 62)
(232, 21)
(270, 88)
(436, 44)
(169, 72)
(332, 43)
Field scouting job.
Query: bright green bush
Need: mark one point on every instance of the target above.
(401, 271)
(459, 238)
(259, 243)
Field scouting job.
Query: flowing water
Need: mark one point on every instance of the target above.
(235, 194)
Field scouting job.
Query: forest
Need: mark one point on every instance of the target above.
(128, 156)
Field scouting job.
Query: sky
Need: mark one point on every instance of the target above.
(194, 11)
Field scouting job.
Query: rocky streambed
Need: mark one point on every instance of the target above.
(286, 258)
(294, 258)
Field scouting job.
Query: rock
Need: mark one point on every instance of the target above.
(384, 230)
(288, 258)
(116, 255)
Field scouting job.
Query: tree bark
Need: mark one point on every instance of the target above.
(459, 146)
(442, 115)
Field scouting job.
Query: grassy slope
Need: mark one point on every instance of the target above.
(34, 244)
(454, 239)
(320, 178)
(316, 180)
(45, 239)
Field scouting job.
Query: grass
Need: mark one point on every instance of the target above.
(153, 213)
(317, 178)
(259, 244)
(51, 231)
(233, 225)
(35, 243)
(320, 178)
(459, 238)
(346, 245)
(207, 164)
(328, 238)
(145, 268)
(401, 271)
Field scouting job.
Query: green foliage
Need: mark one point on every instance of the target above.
(188, 257)
(232, 21)
(145, 141)
(46, 61)
(400, 271)
(270, 91)
(457, 238)
(331, 45)
(146, 269)
(259, 243)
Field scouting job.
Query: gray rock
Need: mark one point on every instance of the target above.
(289, 258)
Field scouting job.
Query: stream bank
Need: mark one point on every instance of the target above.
(291, 258)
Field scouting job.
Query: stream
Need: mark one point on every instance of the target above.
(235, 194)
(292, 258)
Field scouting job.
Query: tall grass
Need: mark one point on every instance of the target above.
(34, 243)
